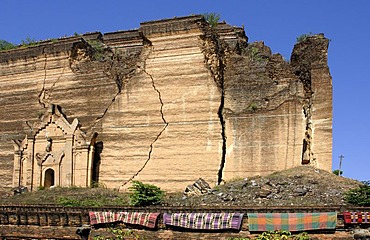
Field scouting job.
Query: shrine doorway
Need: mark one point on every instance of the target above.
(49, 178)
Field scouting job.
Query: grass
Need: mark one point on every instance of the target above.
(71, 197)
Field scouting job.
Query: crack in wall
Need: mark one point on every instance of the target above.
(45, 94)
(307, 154)
(120, 86)
(51, 89)
(223, 133)
(214, 53)
(158, 135)
(42, 94)
(303, 71)
(99, 118)
(117, 65)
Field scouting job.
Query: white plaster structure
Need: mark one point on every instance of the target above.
(56, 154)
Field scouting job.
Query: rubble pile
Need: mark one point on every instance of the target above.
(301, 186)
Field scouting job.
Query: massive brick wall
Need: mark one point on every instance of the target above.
(173, 101)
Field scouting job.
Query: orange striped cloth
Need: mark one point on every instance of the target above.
(291, 221)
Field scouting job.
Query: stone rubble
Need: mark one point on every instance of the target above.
(301, 186)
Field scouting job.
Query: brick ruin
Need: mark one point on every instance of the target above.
(165, 104)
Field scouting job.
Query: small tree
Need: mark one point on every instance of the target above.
(5, 45)
(359, 196)
(338, 172)
(145, 194)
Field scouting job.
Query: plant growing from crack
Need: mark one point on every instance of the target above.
(253, 107)
(29, 42)
(98, 47)
(303, 37)
(255, 55)
(212, 19)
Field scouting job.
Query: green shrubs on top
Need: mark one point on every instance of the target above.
(303, 37)
(98, 49)
(145, 194)
(359, 196)
(212, 19)
(5, 45)
(29, 42)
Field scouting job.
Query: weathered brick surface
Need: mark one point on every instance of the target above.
(37, 232)
(52, 224)
(34, 232)
(174, 101)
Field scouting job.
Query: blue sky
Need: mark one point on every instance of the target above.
(276, 22)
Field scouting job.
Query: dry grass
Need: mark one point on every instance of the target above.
(94, 197)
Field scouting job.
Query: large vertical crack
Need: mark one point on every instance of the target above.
(223, 133)
(307, 154)
(214, 53)
(151, 146)
(301, 63)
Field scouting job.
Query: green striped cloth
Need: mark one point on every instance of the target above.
(291, 221)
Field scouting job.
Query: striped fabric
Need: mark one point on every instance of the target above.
(138, 218)
(209, 221)
(356, 217)
(104, 217)
(291, 221)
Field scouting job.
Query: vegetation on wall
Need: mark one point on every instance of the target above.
(98, 48)
(5, 45)
(212, 18)
(303, 37)
(253, 106)
(29, 42)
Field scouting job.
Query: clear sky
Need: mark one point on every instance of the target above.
(276, 22)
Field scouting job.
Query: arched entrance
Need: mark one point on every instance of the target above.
(49, 178)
